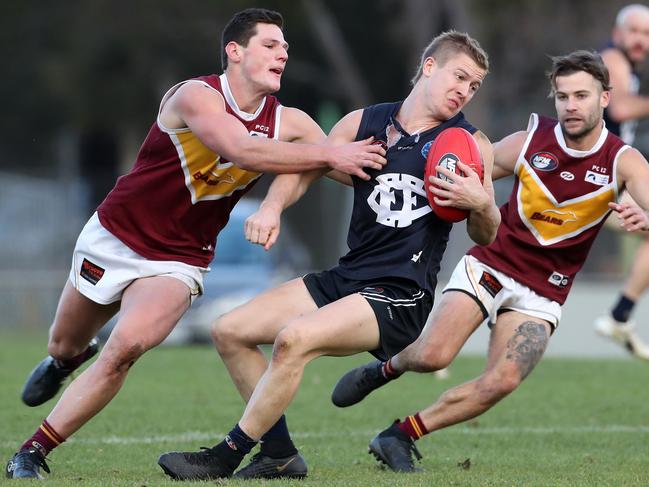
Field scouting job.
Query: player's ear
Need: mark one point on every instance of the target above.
(604, 98)
(233, 51)
(428, 65)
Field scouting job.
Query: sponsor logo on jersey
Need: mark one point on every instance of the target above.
(490, 283)
(567, 175)
(394, 187)
(555, 217)
(544, 161)
(254, 133)
(596, 178)
(91, 272)
(261, 128)
(559, 280)
(449, 161)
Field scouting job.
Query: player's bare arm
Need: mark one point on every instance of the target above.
(624, 104)
(202, 110)
(633, 173)
(263, 226)
(506, 153)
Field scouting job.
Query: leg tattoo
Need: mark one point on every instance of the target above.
(527, 345)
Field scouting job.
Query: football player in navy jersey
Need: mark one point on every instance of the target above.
(623, 58)
(146, 249)
(569, 174)
(378, 297)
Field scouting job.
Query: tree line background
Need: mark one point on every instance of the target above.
(83, 79)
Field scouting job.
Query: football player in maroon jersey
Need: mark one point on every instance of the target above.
(569, 174)
(146, 249)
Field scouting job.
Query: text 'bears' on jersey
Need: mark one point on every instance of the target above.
(550, 221)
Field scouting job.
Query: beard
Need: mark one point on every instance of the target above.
(589, 125)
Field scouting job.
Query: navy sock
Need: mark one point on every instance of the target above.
(277, 443)
(234, 447)
(622, 310)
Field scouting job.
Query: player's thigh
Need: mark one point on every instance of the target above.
(150, 309)
(518, 342)
(454, 319)
(260, 319)
(78, 318)
(343, 327)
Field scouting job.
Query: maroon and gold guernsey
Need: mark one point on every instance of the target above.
(179, 194)
(557, 207)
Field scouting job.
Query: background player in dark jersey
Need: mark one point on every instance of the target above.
(568, 174)
(378, 297)
(146, 250)
(628, 50)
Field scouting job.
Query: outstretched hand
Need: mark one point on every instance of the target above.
(354, 157)
(262, 227)
(463, 192)
(632, 218)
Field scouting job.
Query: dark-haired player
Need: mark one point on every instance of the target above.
(146, 249)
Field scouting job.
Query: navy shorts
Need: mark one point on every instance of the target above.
(400, 305)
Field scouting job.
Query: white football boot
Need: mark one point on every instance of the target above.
(622, 334)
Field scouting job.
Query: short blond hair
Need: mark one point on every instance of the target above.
(449, 43)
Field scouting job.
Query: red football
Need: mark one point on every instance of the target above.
(452, 145)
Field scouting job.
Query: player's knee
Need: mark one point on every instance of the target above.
(289, 344)
(429, 358)
(117, 358)
(225, 332)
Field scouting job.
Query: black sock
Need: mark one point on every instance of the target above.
(74, 362)
(234, 447)
(622, 310)
(277, 443)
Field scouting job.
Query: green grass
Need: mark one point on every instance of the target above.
(573, 423)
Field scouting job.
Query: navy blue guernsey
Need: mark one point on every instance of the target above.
(393, 231)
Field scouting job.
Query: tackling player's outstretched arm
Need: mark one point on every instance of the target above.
(202, 110)
(263, 226)
(633, 172)
(506, 152)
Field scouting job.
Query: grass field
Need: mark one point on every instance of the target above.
(573, 423)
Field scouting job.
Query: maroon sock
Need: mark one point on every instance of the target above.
(388, 371)
(74, 362)
(413, 426)
(45, 439)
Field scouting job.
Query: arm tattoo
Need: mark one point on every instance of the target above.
(527, 345)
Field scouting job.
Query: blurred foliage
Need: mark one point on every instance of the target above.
(103, 65)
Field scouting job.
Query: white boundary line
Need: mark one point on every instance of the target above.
(191, 436)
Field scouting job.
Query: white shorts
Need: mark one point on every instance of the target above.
(102, 266)
(496, 292)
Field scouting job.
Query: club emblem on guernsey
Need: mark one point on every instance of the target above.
(544, 161)
(426, 148)
(394, 187)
